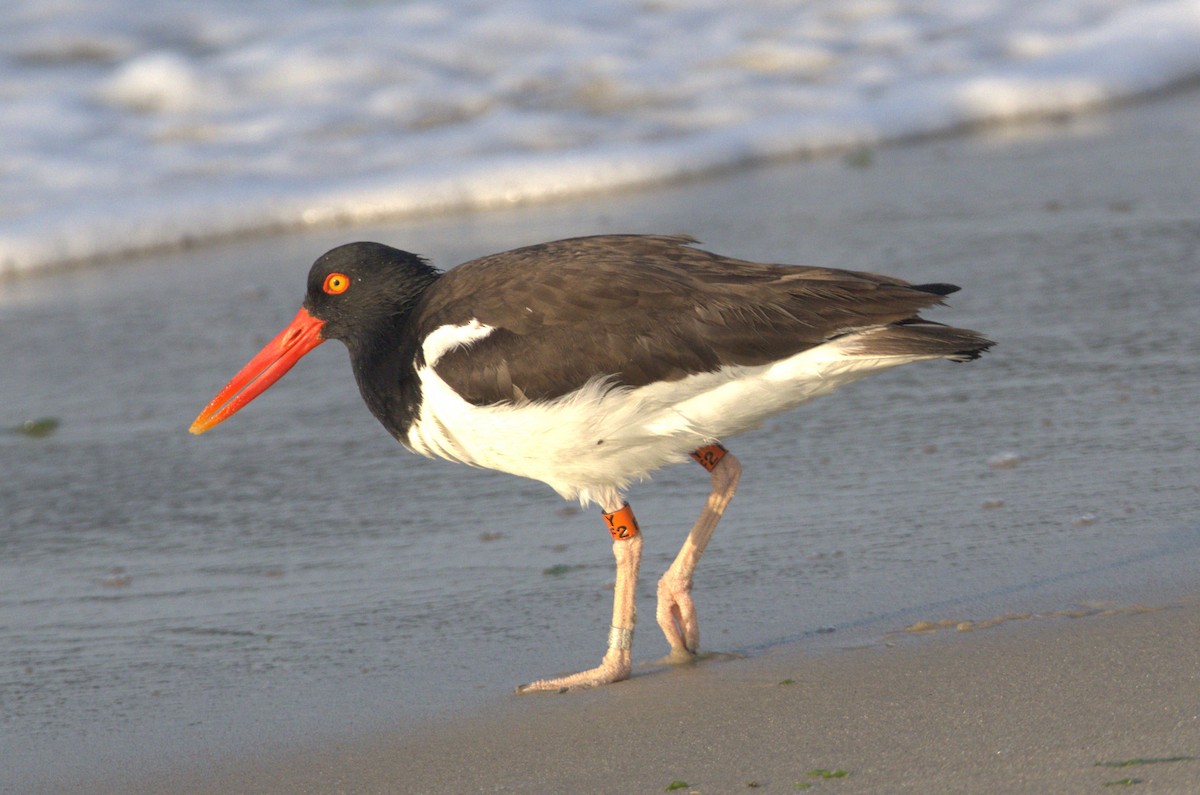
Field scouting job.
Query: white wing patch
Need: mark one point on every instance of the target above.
(444, 339)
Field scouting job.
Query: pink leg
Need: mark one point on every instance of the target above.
(676, 614)
(618, 662)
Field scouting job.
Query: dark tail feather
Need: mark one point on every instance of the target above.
(937, 288)
(924, 340)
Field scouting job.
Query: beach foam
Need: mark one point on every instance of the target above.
(131, 125)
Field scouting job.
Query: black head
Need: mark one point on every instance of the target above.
(361, 288)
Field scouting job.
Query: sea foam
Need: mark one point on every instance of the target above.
(130, 125)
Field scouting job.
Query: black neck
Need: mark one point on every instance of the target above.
(385, 361)
(387, 378)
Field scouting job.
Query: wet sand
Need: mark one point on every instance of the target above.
(251, 617)
(1047, 704)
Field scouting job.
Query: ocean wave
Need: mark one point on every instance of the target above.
(132, 125)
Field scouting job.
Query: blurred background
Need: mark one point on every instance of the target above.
(129, 124)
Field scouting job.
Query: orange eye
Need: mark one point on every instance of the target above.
(336, 283)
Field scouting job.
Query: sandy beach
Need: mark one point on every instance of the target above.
(196, 618)
(1075, 703)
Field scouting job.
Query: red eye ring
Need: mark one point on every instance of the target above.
(336, 283)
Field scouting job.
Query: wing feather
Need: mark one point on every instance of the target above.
(642, 308)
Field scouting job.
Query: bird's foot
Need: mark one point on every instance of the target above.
(615, 667)
(677, 617)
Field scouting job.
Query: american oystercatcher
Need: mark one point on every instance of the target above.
(589, 363)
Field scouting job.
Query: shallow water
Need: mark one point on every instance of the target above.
(295, 574)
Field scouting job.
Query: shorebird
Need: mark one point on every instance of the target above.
(588, 363)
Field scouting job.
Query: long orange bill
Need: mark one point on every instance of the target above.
(268, 366)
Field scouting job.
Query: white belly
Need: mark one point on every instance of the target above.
(590, 445)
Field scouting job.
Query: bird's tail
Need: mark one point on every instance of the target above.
(921, 339)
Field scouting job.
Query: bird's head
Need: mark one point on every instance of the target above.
(355, 293)
(359, 289)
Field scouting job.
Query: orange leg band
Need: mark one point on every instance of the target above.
(709, 456)
(621, 523)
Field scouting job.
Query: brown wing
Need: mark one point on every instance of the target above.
(641, 308)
